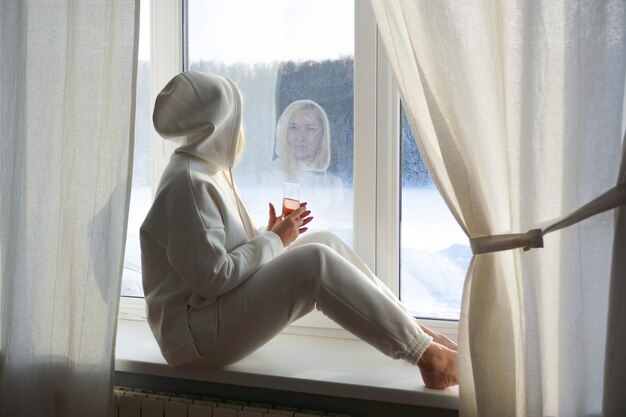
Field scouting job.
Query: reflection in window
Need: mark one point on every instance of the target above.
(296, 77)
(434, 252)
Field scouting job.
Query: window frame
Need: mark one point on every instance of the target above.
(376, 118)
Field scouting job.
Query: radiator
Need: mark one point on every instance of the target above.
(137, 402)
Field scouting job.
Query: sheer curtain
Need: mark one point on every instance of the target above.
(615, 362)
(517, 107)
(67, 71)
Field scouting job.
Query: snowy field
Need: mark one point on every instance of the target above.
(434, 258)
(434, 251)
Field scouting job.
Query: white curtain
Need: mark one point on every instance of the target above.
(615, 362)
(67, 71)
(517, 109)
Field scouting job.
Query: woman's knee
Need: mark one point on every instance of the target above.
(317, 251)
(301, 266)
(315, 259)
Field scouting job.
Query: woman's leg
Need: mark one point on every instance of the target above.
(438, 363)
(335, 243)
(305, 277)
(250, 315)
(339, 246)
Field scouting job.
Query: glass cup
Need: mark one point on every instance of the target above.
(291, 197)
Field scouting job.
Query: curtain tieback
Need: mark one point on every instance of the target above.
(611, 199)
(496, 243)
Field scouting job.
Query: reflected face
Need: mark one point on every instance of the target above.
(304, 134)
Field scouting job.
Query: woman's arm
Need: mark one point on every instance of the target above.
(210, 270)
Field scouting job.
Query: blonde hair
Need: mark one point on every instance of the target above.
(241, 144)
(291, 165)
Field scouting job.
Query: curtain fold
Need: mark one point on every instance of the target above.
(614, 404)
(67, 71)
(516, 108)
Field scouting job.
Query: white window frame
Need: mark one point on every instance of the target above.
(376, 119)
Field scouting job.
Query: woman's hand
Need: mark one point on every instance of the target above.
(272, 221)
(291, 226)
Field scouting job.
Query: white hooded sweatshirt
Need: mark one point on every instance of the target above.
(197, 241)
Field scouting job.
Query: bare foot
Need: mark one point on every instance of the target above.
(438, 366)
(439, 338)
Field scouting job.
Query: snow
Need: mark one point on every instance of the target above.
(434, 256)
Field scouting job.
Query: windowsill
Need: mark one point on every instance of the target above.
(314, 365)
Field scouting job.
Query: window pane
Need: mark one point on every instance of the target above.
(140, 196)
(295, 59)
(434, 251)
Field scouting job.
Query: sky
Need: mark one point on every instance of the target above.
(144, 30)
(254, 31)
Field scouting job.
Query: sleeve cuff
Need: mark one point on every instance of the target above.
(277, 243)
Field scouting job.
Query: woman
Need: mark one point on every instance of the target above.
(303, 149)
(303, 145)
(216, 289)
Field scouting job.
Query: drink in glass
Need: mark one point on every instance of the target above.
(291, 198)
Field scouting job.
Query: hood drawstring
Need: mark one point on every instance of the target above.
(243, 213)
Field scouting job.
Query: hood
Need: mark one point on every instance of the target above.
(288, 162)
(203, 113)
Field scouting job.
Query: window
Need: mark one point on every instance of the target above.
(434, 251)
(141, 195)
(296, 78)
(387, 207)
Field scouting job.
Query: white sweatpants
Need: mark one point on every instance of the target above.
(318, 271)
